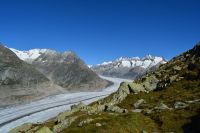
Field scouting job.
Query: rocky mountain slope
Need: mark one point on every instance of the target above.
(167, 100)
(64, 69)
(130, 68)
(19, 80)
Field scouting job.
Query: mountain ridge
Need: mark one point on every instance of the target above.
(128, 67)
(165, 100)
(20, 81)
(65, 69)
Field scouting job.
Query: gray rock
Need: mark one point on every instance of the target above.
(87, 121)
(161, 106)
(148, 111)
(95, 109)
(138, 103)
(173, 78)
(137, 110)
(120, 95)
(111, 108)
(177, 68)
(193, 101)
(81, 123)
(150, 83)
(180, 105)
(80, 106)
(143, 131)
(98, 124)
(136, 88)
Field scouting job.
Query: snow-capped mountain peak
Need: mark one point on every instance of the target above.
(126, 67)
(30, 55)
(145, 62)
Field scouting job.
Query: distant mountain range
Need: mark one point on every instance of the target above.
(166, 100)
(27, 75)
(32, 74)
(130, 68)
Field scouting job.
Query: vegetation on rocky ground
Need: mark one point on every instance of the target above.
(167, 100)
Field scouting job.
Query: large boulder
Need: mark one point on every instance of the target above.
(136, 87)
(116, 109)
(150, 83)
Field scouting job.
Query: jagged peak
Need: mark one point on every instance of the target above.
(145, 62)
(32, 54)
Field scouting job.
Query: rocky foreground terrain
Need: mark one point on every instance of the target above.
(167, 100)
(129, 68)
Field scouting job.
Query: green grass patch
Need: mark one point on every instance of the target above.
(111, 123)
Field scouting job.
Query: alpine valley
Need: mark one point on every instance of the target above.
(31, 75)
(166, 100)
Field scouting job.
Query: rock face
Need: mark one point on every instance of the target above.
(28, 75)
(16, 72)
(68, 71)
(19, 80)
(64, 69)
(130, 68)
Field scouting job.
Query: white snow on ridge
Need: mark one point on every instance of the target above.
(145, 62)
(89, 66)
(126, 63)
(106, 63)
(30, 54)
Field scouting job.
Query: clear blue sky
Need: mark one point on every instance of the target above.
(101, 30)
